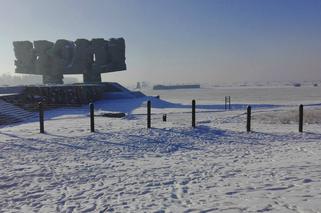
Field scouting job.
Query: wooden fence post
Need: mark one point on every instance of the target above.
(149, 106)
(301, 118)
(92, 118)
(193, 114)
(248, 120)
(41, 118)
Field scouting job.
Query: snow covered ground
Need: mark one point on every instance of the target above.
(125, 167)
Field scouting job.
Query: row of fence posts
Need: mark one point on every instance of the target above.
(248, 120)
(248, 115)
(42, 123)
(149, 110)
(149, 106)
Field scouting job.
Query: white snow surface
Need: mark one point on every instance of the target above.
(172, 167)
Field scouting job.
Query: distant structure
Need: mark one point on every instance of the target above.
(53, 60)
(138, 86)
(182, 86)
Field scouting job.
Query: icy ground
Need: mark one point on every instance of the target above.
(124, 167)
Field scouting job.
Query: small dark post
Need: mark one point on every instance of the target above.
(225, 100)
(41, 118)
(92, 119)
(229, 102)
(164, 117)
(149, 106)
(248, 120)
(193, 114)
(301, 118)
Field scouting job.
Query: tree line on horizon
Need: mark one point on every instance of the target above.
(16, 80)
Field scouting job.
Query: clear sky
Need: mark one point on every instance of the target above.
(180, 40)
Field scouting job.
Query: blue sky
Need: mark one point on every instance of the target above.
(181, 40)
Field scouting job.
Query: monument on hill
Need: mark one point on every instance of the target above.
(53, 60)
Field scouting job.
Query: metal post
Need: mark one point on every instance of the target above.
(301, 118)
(229, 102)
(193, 114)
(149, 105)
(41, 118)
(92, 119)
(248, 120)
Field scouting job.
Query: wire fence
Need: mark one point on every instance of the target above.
(11, 114)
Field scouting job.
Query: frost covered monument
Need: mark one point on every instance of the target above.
(53, 60)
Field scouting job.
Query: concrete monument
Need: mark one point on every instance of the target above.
(53, 60)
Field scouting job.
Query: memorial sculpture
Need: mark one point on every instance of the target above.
(53, 60)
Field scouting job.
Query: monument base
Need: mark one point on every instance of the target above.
(61, 95)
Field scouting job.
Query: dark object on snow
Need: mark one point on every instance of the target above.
(301, 118)
(92, 119)
(41, 118)
(164, 117)
(193, 114)
(149, 106)
(227, 102)
(248, 120)
(114, 115)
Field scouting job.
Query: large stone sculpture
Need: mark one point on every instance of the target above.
(53, 60)
(44, 63)
(25, 56)
(83, 60)
(116, 48)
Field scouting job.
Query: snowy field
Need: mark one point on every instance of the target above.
(125, 167)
